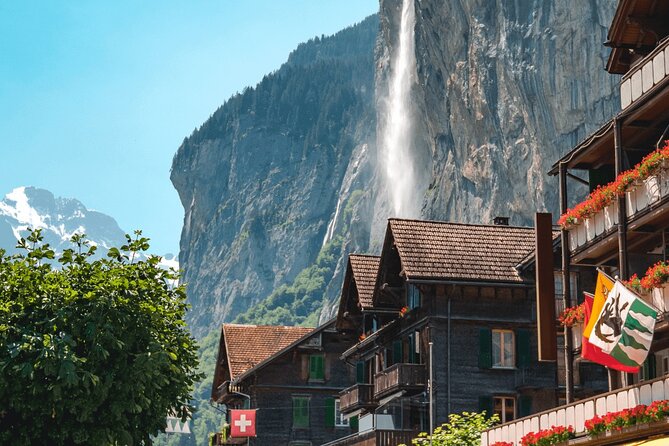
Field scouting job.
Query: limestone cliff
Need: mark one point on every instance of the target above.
(502, 89)
(505, 88)
(261, 179)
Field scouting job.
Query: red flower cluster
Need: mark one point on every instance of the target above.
(628, 417)
(656, 276)
(603, 196)
(547, 437)
(635, 284)
(573, 315)
(502, 443)
(403, 311)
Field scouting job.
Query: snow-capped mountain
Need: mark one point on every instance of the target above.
(59, 218)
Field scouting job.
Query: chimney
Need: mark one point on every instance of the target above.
(501, 221)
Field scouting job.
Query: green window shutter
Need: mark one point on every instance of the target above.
(652, 366)
(524, 406)
(485, 405)
(397, 351)
(300, 412)
(353, 423)
(485, 348)
(329, 412)
(523, 349)
(360, 372)
(316, 367)
(648, 368)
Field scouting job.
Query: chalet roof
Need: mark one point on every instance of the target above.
(457, 251)
(365, 269)
(249, 345)
(637, 27)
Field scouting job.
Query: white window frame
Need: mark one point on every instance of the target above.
(339, 420)
(505, 363)
(505, 399)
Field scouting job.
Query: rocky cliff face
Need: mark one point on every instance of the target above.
(290, 166)
(262, 178)
(505, 88)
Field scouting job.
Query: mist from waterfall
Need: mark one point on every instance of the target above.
(396, 132)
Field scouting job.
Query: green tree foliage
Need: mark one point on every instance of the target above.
(461, 430)
(96, 352)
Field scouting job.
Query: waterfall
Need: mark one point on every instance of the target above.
(397, 128)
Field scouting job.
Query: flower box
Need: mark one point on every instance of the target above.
(577, 335)
(642, 194)
(611, 215)
(581, 234)
(599, 222)
(590, 229)
(646, 183)
(573, 239)
(660, 298)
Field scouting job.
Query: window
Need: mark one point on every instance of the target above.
(573, 285)
(300, 412)
(414, 348)
(316, 367)
(504, 407)
(503, 349)
(661, 362)
(339, 419)
(413, 297)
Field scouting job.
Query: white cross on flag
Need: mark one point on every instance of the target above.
(243, 423)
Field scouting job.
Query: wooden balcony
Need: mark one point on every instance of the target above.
(375, 438)
(408, 377)
(576, 414)
(647, 205)
(650, 71)
(359, 396)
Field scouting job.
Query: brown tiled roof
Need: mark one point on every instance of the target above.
(248, 345)
(441, 250)
(365, 268)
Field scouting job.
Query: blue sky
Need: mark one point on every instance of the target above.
(96, 97)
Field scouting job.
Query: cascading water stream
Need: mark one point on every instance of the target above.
(397, 133)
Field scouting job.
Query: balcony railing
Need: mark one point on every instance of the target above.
(409, 377)
(576, 414)
(650, 71)
(356, 397)
(375, 437)
(640, 199)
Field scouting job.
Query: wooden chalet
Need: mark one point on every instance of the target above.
(459, 288)
(291, 375)
(631, 233)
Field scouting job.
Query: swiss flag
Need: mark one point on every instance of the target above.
(243, 423)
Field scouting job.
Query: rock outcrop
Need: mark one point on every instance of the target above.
(261, 179)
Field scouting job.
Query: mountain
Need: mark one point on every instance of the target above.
(59, 219)
(261, 180)
(287, 178)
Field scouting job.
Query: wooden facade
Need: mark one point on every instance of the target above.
(295, 390)
(463, 309)
(630, 234)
